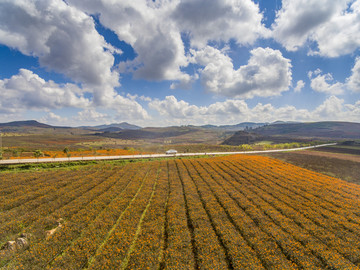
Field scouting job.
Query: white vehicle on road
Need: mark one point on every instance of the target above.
(171, 152)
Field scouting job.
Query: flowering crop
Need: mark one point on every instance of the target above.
(234, 212)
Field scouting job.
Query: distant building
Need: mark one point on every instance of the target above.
(171, 152)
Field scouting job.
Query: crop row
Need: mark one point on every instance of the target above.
(19, 218)
(271, 215)
(78, 214)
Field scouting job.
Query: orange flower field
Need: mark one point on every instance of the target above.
(80, 153)
(233, 212)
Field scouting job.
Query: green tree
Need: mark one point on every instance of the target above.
(38, 154)
(66, 150)
(15, 153)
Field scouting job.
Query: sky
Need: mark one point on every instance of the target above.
(179, 62)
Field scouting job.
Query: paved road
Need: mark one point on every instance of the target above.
(43, 160)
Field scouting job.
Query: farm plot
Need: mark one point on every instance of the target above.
(235, 212)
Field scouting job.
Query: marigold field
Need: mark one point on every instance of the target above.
(76, 153)
(234, 212)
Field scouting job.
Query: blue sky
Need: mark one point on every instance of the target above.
(179, 62)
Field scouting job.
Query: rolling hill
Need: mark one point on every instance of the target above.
(242, 133)
(183, 134)
(35, 127)
(245, 137)
(112, 127)
(28, 123)
(327, 130)
(296, 132)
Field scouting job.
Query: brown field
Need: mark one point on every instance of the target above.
(46, 141)
(320, 153)
(351, 150)
(235, 212)
(52, 145)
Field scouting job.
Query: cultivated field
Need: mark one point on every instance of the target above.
(338, 161)
(238, 212)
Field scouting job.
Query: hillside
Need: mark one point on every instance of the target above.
(280, 132)
(183, 134)
(330, 130)
(245, 137)
(112, 127)
(236, 127)
(28, 123)
(35, 127)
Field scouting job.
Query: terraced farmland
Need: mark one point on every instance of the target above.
(238, 212)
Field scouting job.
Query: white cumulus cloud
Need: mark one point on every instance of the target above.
(219, 20)
(332, 108)
(231, 111)
(332, 24)
(53, 119)
(354, 110)
(128, 109)
(170, 106)
(91, 116)
(267, 73)
(27, 90)
(158, 45)
(340, 35)
(155, 29)
(175, 111)
(63, 38)
(353, 82)
(299, 85)
(325, 83)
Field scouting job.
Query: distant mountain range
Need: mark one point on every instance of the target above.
(250, 130)
(240, 126)
(115, 127)
(18, 126)
(328, 129)
(29, 123)
(112, 127)
(296, 132)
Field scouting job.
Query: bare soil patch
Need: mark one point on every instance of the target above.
(330, 155)
(340, 150)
